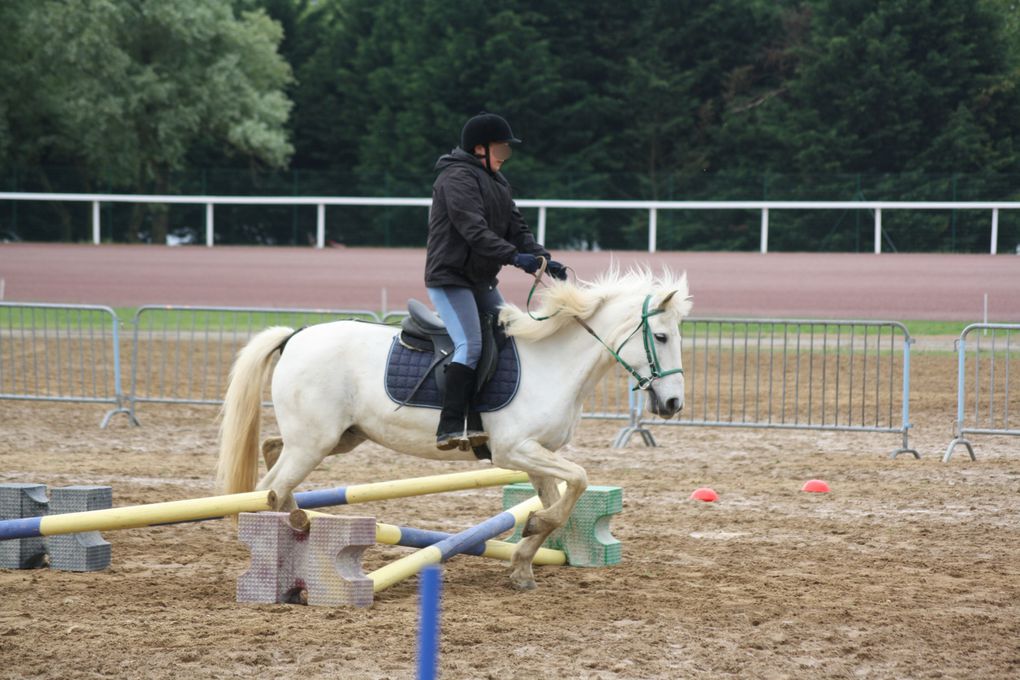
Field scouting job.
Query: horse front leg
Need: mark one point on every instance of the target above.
(547, 490)
(544, 467)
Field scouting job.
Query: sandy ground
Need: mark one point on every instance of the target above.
(907, 569)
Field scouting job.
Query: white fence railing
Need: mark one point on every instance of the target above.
(543, 206)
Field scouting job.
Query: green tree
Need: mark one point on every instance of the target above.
(126, 89)
(891, 92)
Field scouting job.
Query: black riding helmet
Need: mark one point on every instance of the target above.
(484, 129)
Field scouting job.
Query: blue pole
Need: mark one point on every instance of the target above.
(430, 588)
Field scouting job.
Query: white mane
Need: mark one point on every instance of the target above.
(564, 300)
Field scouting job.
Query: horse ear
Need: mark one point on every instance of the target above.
(665, 300)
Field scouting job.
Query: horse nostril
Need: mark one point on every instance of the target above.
(673, 404)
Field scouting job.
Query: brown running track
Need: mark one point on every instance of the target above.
(802, 285)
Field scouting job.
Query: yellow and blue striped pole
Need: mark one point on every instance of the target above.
(391, 534)
(404, 488)
(219, 506)
(132, 516)
(397, 571)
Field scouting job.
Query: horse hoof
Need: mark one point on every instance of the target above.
(523, 584)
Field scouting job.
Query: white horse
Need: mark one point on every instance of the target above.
(329, 395)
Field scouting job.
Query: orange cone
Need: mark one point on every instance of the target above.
(815, 486)
(704, 494)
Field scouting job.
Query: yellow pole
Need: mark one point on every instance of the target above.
(418, 486)
(397, 571)
(133, 516)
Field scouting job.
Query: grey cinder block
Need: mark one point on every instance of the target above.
(86, 551)
(18, 501)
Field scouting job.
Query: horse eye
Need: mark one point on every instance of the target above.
(661, 337)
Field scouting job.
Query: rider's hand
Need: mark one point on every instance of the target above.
(557, 270)
(528, 263)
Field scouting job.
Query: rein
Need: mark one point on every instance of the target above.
(655, 369)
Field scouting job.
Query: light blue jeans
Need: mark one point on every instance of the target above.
(460, 308)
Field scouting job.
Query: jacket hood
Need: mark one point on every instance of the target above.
(458, 155)
(461, 157)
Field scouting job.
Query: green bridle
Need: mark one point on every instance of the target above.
(655, 369)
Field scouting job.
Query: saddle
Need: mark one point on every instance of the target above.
(423, 331)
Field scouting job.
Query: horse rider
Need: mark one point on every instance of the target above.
(474, 229)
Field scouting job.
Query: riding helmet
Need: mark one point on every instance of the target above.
(485, 128)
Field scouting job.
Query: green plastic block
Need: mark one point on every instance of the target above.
(585, 538)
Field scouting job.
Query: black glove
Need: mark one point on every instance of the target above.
(557, 270)
(528, 263)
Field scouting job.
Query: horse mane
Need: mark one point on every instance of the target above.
(563, 300)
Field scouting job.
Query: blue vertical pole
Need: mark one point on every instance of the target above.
(430, 589)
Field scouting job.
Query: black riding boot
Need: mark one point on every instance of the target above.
(452, 432)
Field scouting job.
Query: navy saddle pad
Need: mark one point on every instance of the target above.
(405, 367)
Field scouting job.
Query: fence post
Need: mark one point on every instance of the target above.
(995, 231)
(764, 230)
(961, 380)
(653, 219)
(878, 231)
(209, 225)
(541, 224)
(320, 225)
(96, 235)
(905, 448)
(118, 382)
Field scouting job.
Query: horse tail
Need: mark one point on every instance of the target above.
(241, 415)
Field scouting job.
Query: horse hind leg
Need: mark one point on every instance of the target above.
(348, 441)
(294, 465)
(292, 461)
(273, 446)
(271, 449)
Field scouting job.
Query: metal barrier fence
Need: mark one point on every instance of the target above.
(183, 354)
(54, 352)
(994, 408)
(793, 374)
(761, 373)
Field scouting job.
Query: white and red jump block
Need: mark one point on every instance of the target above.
(86, 551)
(321, 566)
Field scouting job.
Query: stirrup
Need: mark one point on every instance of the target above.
(465, 441)
(476, 438)
(448, 442)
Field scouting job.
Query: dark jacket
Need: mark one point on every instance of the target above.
(474, 225)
